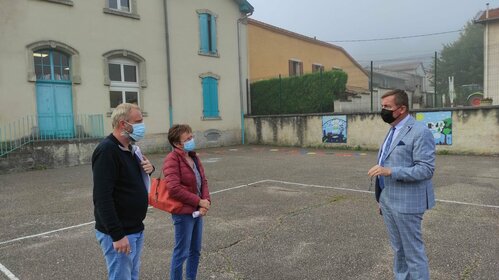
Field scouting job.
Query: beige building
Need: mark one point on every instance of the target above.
(274, 51)
(490, 19)
(65, 64)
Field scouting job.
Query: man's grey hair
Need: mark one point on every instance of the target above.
(122, 112)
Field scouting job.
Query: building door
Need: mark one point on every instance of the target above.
(53, 94)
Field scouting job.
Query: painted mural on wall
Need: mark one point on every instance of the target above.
(440, 124)
(334, 129)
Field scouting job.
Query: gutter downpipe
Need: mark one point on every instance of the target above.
(168, 64)
(486, 55)
(241, 74)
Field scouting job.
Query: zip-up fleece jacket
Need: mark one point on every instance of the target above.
(119, 193)
(181, 180)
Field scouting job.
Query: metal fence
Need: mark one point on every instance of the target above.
(27, 129)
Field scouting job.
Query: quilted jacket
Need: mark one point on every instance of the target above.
(181, 180)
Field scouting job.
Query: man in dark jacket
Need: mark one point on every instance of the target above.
(121, 178)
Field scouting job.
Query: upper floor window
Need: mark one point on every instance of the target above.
(51, 65)
(295, 68)
(208, 33)
(126, 8)
(120, 5)
(317, 68)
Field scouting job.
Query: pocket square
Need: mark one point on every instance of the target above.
(401, 143)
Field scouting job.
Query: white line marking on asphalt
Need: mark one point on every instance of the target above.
(238, 187)
(318, 186)
(247, 185)
(468, 203)
(45, 233)
(355, 190)
(93, 222)
(7, 272)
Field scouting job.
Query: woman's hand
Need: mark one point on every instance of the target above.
(203, 211)
(205, 203)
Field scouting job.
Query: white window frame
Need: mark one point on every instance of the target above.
(119, 8)
(123, 85)
(131, 13)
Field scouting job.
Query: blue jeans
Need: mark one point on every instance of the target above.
(121, 266)
(188, 235)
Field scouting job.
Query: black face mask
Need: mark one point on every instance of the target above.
(387, 115)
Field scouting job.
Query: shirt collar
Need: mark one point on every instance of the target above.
(131, 148)
(402, 123)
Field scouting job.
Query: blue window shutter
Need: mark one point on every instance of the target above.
(206, 97)
(210, 97)
(214, 97)
(203, 31)
(213, 34)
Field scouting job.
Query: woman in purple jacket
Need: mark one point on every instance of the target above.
(186, 183)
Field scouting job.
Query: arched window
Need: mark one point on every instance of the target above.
(124, 86)
(53, 61)
(51, 65)
(126, 77)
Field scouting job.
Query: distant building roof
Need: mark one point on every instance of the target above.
(482, 16)
(401, 66)
(303, 38)
(391, 74)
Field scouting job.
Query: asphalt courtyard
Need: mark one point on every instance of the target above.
(277, 213)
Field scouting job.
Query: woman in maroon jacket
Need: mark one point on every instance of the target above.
(187, 183)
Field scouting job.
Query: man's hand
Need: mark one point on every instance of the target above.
(147, 165)
(379, 170)
(122, 246)
(204, 203)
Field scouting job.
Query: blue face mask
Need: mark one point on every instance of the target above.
(138, 131)
(190, 145)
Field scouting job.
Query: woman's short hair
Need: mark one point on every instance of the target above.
(122, 112)
(176, 131)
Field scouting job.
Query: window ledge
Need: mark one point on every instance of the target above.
(208, 54)
(211, 118)
(63, 2)
(120, 13)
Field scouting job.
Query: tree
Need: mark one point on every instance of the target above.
(462, 59)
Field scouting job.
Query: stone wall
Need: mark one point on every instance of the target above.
(474, 130)
(63, 153)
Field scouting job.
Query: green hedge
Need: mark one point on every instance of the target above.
(309, 93)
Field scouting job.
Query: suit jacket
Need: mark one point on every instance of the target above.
(411, 158)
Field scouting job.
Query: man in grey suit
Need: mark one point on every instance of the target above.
(406, 162)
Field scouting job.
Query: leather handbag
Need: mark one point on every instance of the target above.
(159, 197)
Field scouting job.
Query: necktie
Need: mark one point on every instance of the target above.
(384, 154)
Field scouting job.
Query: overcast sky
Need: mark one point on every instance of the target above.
(336, 20)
